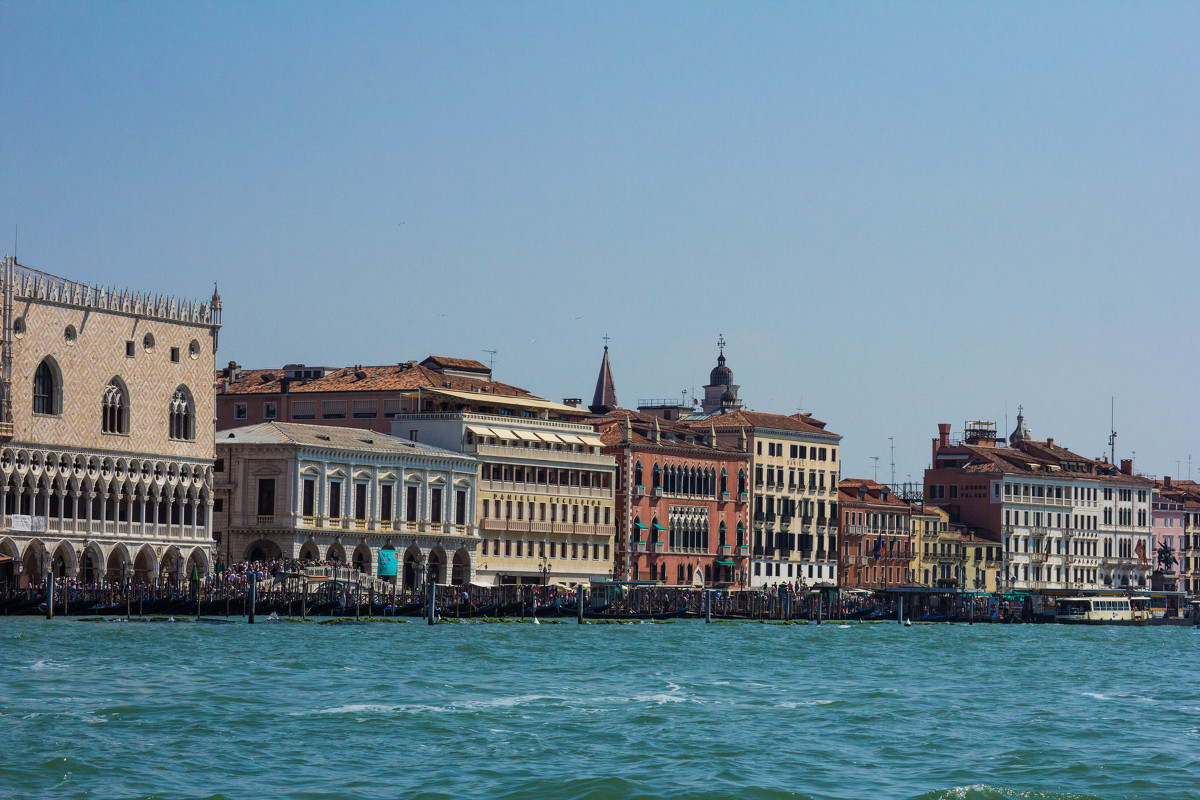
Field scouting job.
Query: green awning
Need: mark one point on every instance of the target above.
(658, 527)
(639, 525)
(725, 563)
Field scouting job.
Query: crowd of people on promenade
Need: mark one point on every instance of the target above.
(786, 600)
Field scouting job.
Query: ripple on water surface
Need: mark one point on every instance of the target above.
(681, 711)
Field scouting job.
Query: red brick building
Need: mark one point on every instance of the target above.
(351, 397)
(681, 510)
(876, 528)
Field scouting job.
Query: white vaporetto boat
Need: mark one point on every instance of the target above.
(1104, 610)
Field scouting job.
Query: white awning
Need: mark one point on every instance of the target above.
(548, 437)
(479, 430)
(594, 441)
(504, 433)
(570, 438)
(528, 436)
(481, 585)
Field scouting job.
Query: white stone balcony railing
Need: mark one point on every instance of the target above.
(550, 491)
(532, 454)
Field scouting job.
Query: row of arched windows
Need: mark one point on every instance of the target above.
(690, 536)
(114, 403)
(679, 479)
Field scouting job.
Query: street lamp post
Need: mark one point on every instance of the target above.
(544, 567)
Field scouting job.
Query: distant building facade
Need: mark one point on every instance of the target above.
(322, 493)
(1177, 505)
(681, 502)
(1065, 521)
(545, 507)
(350, 397)
(876, 534)
(952, 555)
(106, 434)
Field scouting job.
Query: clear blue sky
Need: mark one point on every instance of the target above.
(898, 214)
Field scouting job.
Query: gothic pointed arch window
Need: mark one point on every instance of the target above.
(741, 481)
(114, 408)
(724, 481)
(637, 474)
(182, 425)
(657, 476)
(47, 388)
(721, 534)
(741, 534)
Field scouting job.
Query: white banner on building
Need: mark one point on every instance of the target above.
(24, 522)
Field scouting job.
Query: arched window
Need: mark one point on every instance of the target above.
(721, 534)
(114, 408)
(724, 481)
(637, 474)
(46, 388)
(741, 534)
(657, 476)
(741, 481)
(182, 416)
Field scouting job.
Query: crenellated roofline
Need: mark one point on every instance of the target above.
(32, 284)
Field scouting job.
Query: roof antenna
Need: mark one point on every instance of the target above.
(491, 358)
(1112, 432)
(892, 445)
(876, 460)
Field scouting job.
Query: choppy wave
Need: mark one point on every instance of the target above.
(190, 712)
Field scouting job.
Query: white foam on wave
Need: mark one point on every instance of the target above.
(1138, 697)
(45, 664)
(455, 707)
(662, 698)
(804, 703)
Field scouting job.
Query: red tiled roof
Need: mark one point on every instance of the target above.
(408, 376)
(458, 363)
(611, 428)
(734, 420)
(848, 493)
(1042, 455)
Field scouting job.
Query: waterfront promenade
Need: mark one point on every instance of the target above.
(612, 711)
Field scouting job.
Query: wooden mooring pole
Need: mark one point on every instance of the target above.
(253, 588)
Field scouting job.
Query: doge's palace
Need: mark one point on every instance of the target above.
(106, 431)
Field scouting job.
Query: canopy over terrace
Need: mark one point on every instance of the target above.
(544, 408)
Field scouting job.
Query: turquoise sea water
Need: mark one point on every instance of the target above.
(685, 710)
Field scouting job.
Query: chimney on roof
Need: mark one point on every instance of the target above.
(942, 440)
(1166, 481)
(1050, 441)
(1127, 466)
(285, 384)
